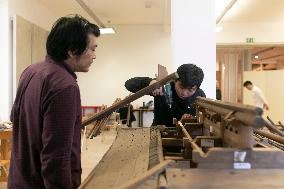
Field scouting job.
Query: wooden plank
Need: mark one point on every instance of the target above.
(224, 158)
(238, 136)
(192, 142)
(225, 179)
(5, 151)
(145, 176)
(271, 136)
(162, 72)
(151, 183)
(126, 159)
(155, 148)
(249, 115)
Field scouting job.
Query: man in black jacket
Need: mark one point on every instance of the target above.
(176, 98)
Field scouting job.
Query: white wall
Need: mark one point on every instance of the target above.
(270, 82)
(5, 66)
(34, 11)
(194, 40)
(133, 51)
(264, 33)
(44, 14)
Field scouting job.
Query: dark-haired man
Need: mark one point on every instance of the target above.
(46, 114)
(258, 97)
(177, 98)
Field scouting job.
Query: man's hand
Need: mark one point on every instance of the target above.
(186, 116)
(156, 92)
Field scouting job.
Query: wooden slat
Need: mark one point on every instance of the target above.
(225, 179)
(143, 177)
(192, 142)
(271, 136)
(126, 159)
(223, 158)
(250, 115)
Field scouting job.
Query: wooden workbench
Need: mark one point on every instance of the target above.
(5, 153)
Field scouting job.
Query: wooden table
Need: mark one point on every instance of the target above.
(5, 150)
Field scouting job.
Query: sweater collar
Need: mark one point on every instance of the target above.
(63, 65)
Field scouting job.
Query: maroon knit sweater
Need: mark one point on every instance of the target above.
(46, 118)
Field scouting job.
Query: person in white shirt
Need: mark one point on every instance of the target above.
(258, 96)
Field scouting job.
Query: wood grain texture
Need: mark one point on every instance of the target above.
(223, 158)
(225, 179)
(127, 158)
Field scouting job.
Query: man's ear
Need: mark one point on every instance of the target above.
(70, 53)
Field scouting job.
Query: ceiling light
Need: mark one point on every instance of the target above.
(219, 28)
(107, 31)
(256, 56)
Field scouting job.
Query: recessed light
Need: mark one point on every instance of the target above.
(107, 31)
(219, 28)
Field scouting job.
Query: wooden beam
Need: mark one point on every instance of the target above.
(262, 51)
(270, 57)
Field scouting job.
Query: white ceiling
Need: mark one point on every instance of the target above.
(131, 11)
(117, 12)
(65, 7)
(135, 12)
(256, 11)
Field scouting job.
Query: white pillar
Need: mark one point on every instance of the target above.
(194, 38)
(5, 65)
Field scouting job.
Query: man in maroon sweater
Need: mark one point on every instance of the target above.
(46, 114)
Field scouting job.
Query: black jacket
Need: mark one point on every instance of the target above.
(123, 111)
(163, 113)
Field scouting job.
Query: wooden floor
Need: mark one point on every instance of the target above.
(91, 155)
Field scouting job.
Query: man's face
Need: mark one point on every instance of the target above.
(84, 61)
(183, 92)
(249, 87)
